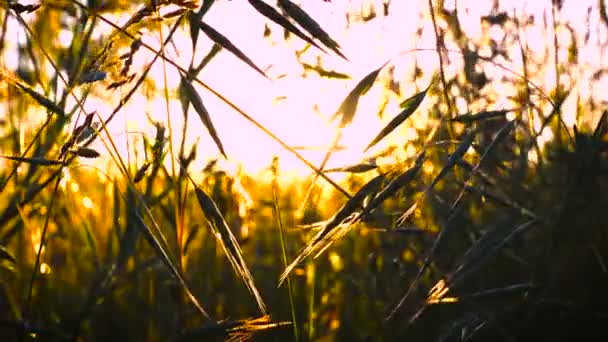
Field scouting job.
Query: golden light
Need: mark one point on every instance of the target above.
(45, 268)
(87, 202)
(298, 109)
(336, 261)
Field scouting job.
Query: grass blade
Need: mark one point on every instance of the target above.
(277, 213)
(485, 115)
(229, 244)
(41, 99)
(310, 25)
(402, 180)
(357, 168)
(5, 254)
(197, 103)
(485, 248)
(349, 105)
(35, 160)
(86, 152)
(228, 45)
(467, 141)
(327, 234)
(409, 107)
(160, 251)
(272, 14)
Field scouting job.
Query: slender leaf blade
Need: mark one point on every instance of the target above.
(229, 243)
(228, 45)
(310, 25)
(197, 102)
(272, 14)
(349, 105)
(409, 107)
(324, 239)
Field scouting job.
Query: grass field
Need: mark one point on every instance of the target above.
(484, 224)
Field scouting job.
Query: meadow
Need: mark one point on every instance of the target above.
(476, 212)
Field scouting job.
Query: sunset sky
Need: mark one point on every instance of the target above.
(367, 44)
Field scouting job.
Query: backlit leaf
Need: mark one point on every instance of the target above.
(272, 14)
(35, 161)
(409, 107)
(328, 233)
(229, 243)
(348, 107)
(198, 105)
(310, 25)
(5, 254)
(228, 45)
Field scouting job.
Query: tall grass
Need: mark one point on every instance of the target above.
(478, 228)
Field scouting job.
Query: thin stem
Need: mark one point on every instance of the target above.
(438, 47)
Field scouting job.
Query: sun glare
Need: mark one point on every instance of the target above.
(298, 109)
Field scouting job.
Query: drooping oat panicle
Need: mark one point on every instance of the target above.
(230, 330)
(229, 243)
(462, 148)
(272, 14)
(310, 25)
(393, 186)
(478, 255)
(324, 72)
(86, 152)
(427, 261)
(320, 242)
(502, 133)
(492, 241)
